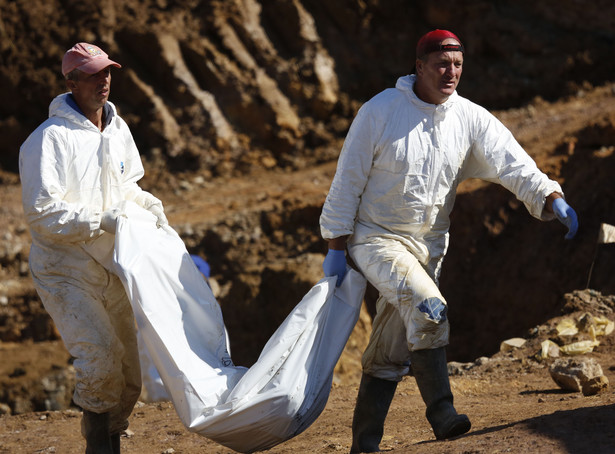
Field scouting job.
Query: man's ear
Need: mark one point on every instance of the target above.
(419, 66)
(71, 84)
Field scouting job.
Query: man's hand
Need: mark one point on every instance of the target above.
(108, 220)
(566, 215)
(161, 219)
(335, 265)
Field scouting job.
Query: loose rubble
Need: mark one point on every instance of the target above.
(579, 374)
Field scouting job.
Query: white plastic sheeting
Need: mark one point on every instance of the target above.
(181, 324)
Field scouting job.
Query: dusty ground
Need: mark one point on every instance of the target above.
(513, 403)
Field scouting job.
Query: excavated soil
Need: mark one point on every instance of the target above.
(239, 109)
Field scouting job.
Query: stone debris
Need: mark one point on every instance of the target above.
(582, 374)
(457, 368)
(576, 337)
(511, 344)
(589, 300)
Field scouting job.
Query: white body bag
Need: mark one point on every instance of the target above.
(181, 324)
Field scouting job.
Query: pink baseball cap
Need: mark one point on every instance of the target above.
(87, 58)
(432, 42)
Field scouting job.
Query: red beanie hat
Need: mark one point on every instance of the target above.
(431, 42)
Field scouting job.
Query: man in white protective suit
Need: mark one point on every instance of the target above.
(406, 152)
(77, 168)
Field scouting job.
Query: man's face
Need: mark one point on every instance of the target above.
(438, 76)
(91, 91)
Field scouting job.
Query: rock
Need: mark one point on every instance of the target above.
(579, 374)
(457, 368)
(595, 385)
(482, 360)
(511, 344)
(588, 300)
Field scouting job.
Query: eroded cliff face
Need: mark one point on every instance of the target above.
(225, 87)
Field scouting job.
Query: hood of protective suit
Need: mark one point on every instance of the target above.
(65, 106)
(406, 85)
(71, 172)
(403, 159)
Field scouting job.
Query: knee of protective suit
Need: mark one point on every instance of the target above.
(435, 310)
(428, 326)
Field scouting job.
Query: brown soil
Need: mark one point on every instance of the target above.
(513, 403)
(247, 196)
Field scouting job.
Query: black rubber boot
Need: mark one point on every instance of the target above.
(115, 443)
(96, 426)
(431, 374)
(373, 402)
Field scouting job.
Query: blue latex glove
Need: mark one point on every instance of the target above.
(201, 264)
(567, 216)
(335, 265)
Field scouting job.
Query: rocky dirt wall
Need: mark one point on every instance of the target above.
(229, 86)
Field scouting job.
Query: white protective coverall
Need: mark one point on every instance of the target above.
(70, 173)
(393, 192)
